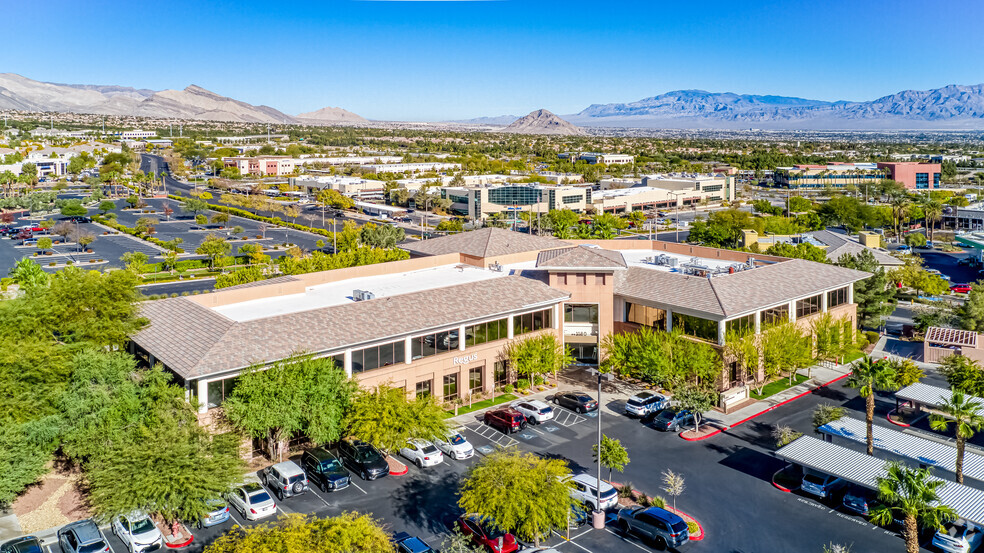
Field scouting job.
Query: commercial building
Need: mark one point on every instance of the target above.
(355, 187)
(833, 175)
(439, 322)
(134, 134)
(915, 176)
(479, 202)
(411, 167)
(834, 244)
(308, 159)
(261, 165)
(594, 158)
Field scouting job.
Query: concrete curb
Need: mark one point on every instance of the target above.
(896, 423)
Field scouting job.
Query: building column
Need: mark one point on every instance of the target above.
(408, 350)
(850, 293)
(202, 396)
(758, 322)
(669, 320)
(792, 311)
(509, 327)
(461, 338)
(558, 313)
(348, 362)
(823, 302)
(722, 332)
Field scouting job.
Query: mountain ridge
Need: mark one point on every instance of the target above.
(542, 121)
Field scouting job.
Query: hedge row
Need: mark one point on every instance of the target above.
(137, 233)
(250, 215)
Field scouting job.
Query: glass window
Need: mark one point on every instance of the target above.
(775, 315)
(577, 313)
(370, 358)
(705, 329)
(808, 306)
(339, 360)
(836, 297)
(500, 372)
(475, 380)
(367, 359)
(645, 315)
(451, 387)
(357, 365)
(423, 388)
(584, 353)
(741, 325)
(515, 195)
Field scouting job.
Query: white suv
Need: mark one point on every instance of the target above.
(455, 446)
(138, 532)
(422, 453)
(534, 410)
(586, 491)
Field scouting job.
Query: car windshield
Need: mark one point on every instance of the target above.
(636, 401)
(142, 525)
(610, 493)
(583, 399)
(27, 546)
(457, 439)
(331, 465)
(367, 455)
(215, 504)
(259, 497)
(545, 410)
(93, 547)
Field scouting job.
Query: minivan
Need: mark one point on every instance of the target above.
(821, 485)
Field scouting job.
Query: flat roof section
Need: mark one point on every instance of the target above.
(657, 260)
(864, 470)
(931, 396)
(921, 450)
(341, 292)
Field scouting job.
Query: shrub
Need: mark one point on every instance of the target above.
(657, 501)
(508, 388)
(692, 527)
(825, 413)
(625, 490)
(872, 336)
(783, 434)
(523, 384)
(538, 380)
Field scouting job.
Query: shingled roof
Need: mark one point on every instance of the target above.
(839, 244)
(195, 341)
(486, 242)
(739, 293)
(580, 257)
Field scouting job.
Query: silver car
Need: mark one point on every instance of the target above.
(253, 501)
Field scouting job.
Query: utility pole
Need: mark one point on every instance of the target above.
(334, 236)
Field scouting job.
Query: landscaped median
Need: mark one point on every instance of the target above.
(631, 497)
(787, 478)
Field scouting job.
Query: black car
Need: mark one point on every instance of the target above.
(23, 544)
(325, 470)
(580, 402)
(363, 458)
(669, 419)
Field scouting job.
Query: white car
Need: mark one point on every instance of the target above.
(138, 532)
(534, 410)
(422, 453)
(958, 536)
(253, 501)
(586, 491)
(455, 446)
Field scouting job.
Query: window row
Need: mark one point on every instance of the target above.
(574, 313)
(808, 306)
(695, 326)
(532, 321)
(645, 315)
(367, 359)
(836, 297)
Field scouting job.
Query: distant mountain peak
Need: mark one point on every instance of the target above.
(542, 121)
(330, 115)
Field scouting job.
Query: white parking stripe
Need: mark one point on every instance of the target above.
(232, 513)
(621, 537)
(357, 487)
(110, 545)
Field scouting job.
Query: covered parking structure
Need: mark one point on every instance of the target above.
(941, 343)
(923, 397)
(864, 470)
(906, 447)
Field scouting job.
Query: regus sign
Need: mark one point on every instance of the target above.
(465, 359)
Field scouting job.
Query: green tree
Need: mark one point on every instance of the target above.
(214, 248)
(381, 236)
(523, 493)
(826, 413)
(298, 395)
(134, 261)
(912, 495)
(915, 239)
(874, 295)
(613, 454)
(932, 212)
(799, 204)
(44, 243)
(106, 206)
(562, 221)
(74, 209)
(220, 218)
(295, 533)
(195, 205)
(84, 240)
(972, 311)
(696, 400)
(804, 250)
(868, 377)
(334, 198)
(784, 350)
(385, 418)
(450, 225)
(538, 355)
(965, 414)
(964, 374)
(28, 274)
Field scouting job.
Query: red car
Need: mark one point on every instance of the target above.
(507, 420)
(960, 288)
(483, 532)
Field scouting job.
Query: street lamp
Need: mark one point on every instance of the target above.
(598, 516)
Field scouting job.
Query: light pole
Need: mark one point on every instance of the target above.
(598, 515)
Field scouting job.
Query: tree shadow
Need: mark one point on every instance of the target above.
(440, 497)
(755, 433)
(753, 463)
(833, 394)
(576, 468)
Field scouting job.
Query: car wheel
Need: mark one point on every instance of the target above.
(580, 410)
(660, 543)
(364, 475)
(419, 463)
(590, 506)
(522, 425)
(624, 526)
(298, 487)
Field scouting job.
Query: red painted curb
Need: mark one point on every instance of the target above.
(405, 470)
(679, 512)
(180, 545)
(896, 423)
(783, 488)
(780, 404)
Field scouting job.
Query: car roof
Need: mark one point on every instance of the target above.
(86, 530)
(592, 481)
(288, 468)
(508, 411)
(663, 515)
(321, 454)
(251, 487)
(414, 544)
(643, 395)
(537, 403)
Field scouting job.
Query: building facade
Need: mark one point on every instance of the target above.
(915, 176)
(261, 165)
(833, 175)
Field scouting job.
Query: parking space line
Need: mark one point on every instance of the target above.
(48, 547)
(358, 487)
(610, 531)
(232, 513)
(571, 541)
(314, 490)
(109, 545)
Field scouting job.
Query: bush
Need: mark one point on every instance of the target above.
(508, 388)
(625, 490)
(825, 413)
(538, 380)
(523, 384)
(692, 527)
(872, 336)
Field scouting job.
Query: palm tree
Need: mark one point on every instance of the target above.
(900, 205)
(911, 494)
(869, 376)
(965, 413)
(933, 211)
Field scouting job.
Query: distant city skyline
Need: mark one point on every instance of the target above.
(442, 60)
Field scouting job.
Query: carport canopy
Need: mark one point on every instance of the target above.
(936, 335)
(863, 470)
(931, 396)
(920, 450)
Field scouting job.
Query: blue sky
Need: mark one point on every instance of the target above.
(434, 60)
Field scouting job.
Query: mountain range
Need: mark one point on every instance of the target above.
(953, 107)
(194, 102)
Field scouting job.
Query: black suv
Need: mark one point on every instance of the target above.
(580, 402)
(363, 458)
(325, 470)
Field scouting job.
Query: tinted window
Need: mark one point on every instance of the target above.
(296, 478)
(259, 497)
(141, 526)
(679, 526)
(666, 415)
(814, 479)
(333, 464)
(428, 449)
(457, 439)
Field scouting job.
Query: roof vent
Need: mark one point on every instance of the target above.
(362, 295)
(497, 267)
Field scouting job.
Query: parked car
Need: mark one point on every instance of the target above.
(821, 485)
(579, 402)
(586, 491)
(325, 470)
(252, 501)
(658, 526)
(670, 419)
(859, 500)
(960, 288)
(958, 536)
(534, 410)
(23, 544)
(422, 453)
(82, 537)
(405, 543)
(455, 446)
(137, 532)
(505, 419)
(286, 479)
(483, 532)
(363, 458)
(218, 512)
(903, 248)
(644, 403)
(936, 272)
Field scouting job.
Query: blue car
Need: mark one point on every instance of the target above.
(218, 512)
(405, 543)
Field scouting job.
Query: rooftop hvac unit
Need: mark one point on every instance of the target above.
(497, 267)
(362, 295)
